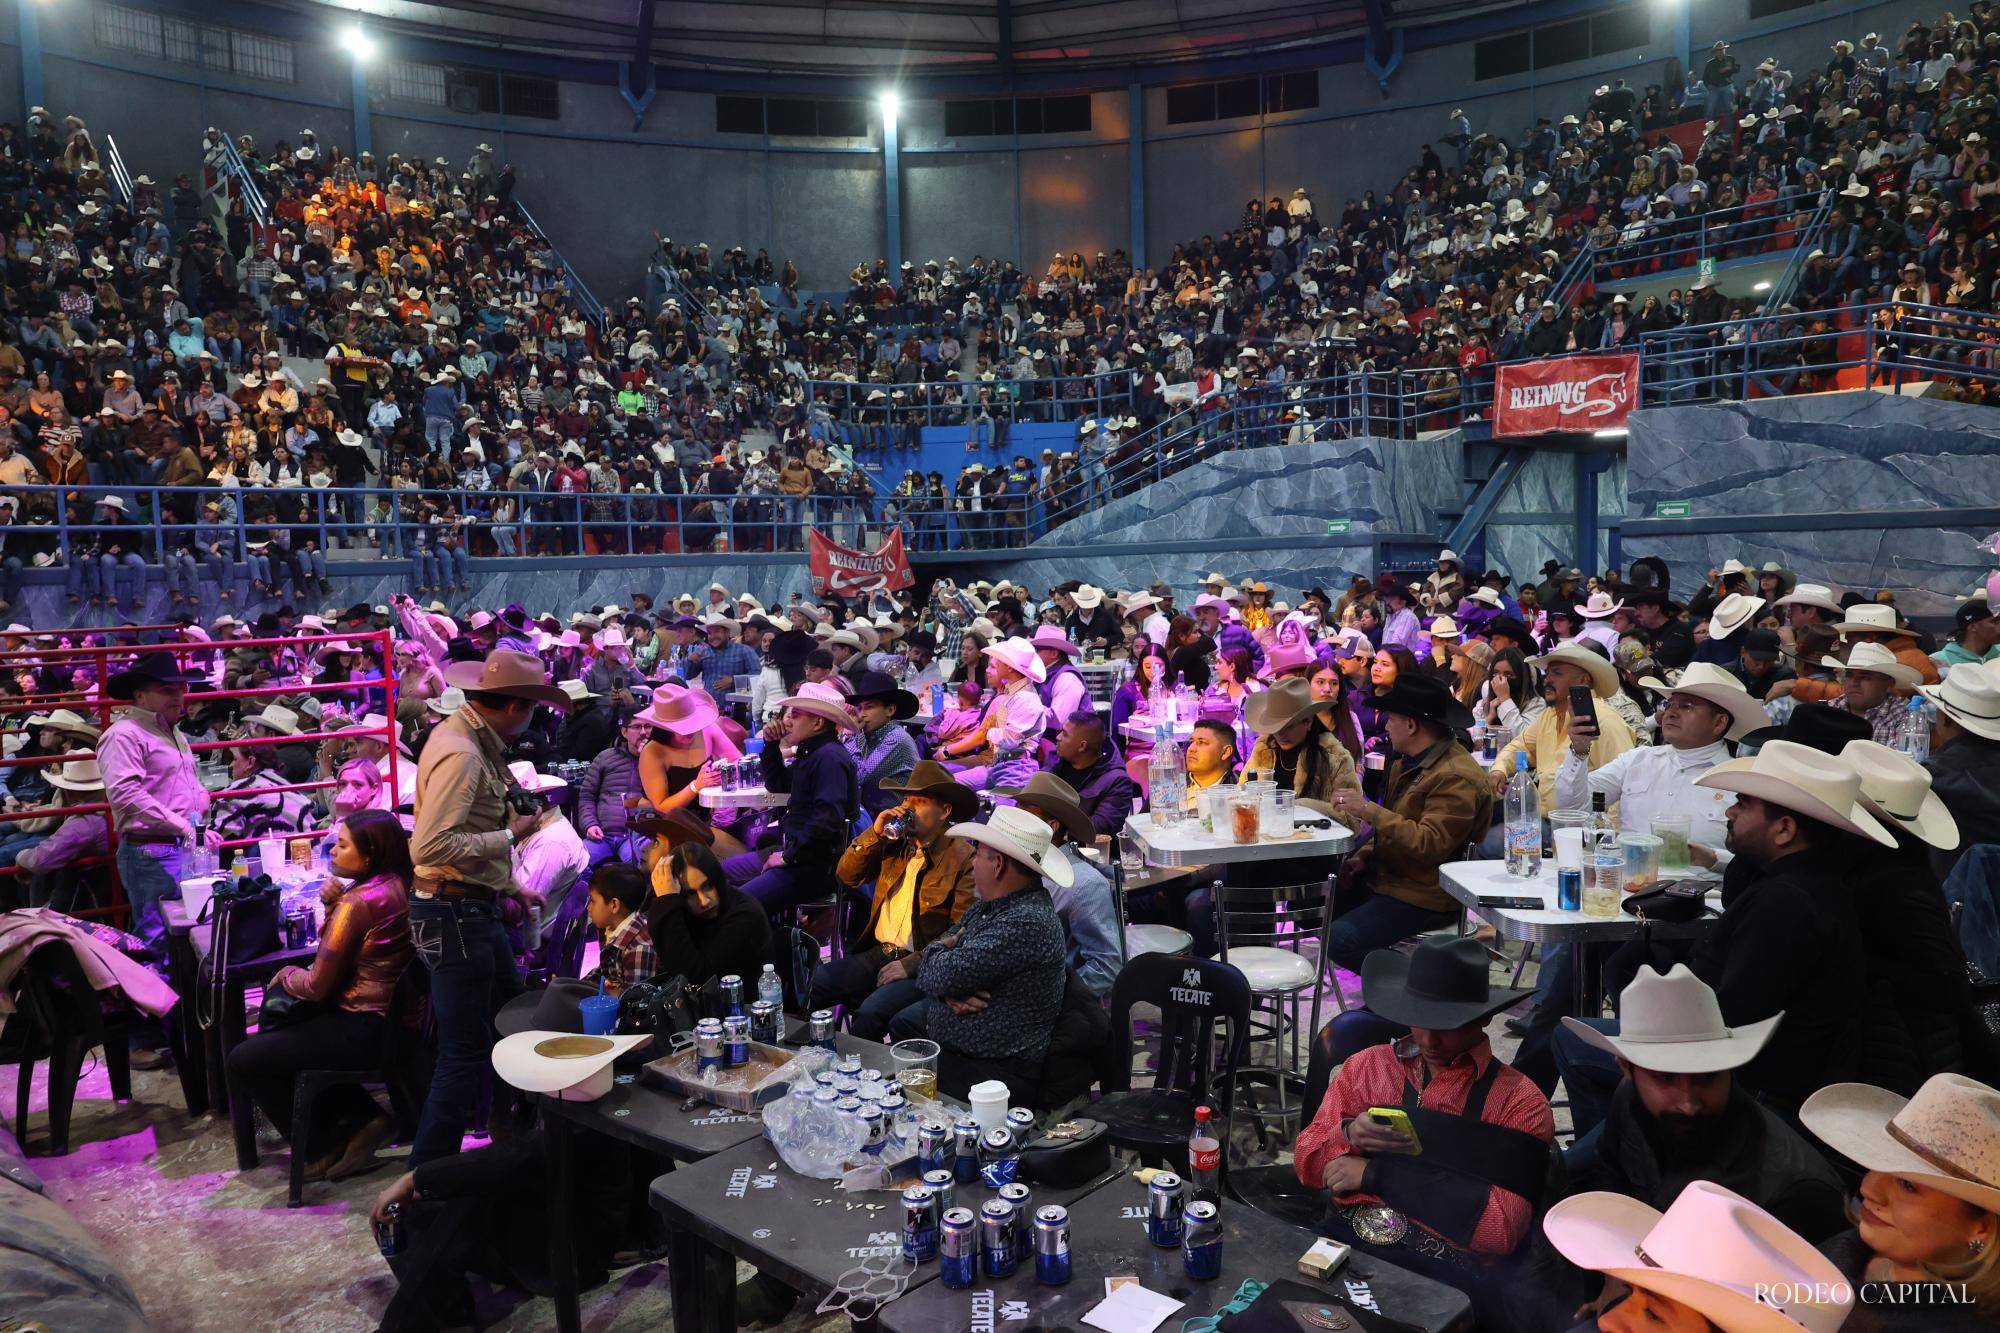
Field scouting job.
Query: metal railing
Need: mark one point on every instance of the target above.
(1721, 235)
(877, 413)
(237, 171)
(114, 164)
(674, 287)
(579, 291)
(1808, 237)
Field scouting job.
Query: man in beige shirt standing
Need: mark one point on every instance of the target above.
(462, 848)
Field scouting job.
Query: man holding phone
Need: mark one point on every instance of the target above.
(1576, 680)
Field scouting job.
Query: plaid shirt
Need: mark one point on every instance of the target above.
(1885, 719)
(626, 954)
(718, 667)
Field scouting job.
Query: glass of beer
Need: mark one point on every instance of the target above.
(916, 1067)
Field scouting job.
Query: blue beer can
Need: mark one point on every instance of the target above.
(1569, 890)
(1017, 1194)
(920, 1223)
(933, 1148)
(1166, 1203)
(958, 1248)
(1052, 1263)
(736, 1039)
(996, 1238)
(1201, 1246)
(965, 1150)
(708, 1045)
(945, 1186)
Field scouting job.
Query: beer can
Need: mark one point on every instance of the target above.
(847, 1105)
(871, 1076)
(1022, 1122)
(965, 1150)
(920, 1223)
(933, 1148)
(1017, 1194)
(764, 1022)
(945, 1186)
(820, 1030)
(996, 1238)
(849, 1066)
(958, 1248)
(736, 1039)
(1166, 1202)
(999, 1160)
(1201, 1245)
(389, 1232)
(868, 1092)
(1569, 890)
(1051, 1241)
(731, 987)
(826, 1078)
(824, 1097)
(892, 1104)
(878, 1133)
(708, 1045)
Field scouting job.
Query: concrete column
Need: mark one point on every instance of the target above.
(1136, 156)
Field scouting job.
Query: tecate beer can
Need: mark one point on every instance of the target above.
(1201, 1247)
(824, 1097)
(1022, 1122)
(736, 1039)
(871, 1076)
(996, 1238)
(732, 994)
(820, 1028)
(965, 1151)
(920, 1223)
(764, 1022)
(958, 1248)
(847, 1105)
(892, 1104)
(945, 1186)
(1024, 1218)
(1569, 890)
(933, 1148)
(849, 1066)
(389, 1234)
(1051, 1245)
(708, 1045)
(846, 1086)
(878, 1132)
(826, 1078)
(1166, 1202)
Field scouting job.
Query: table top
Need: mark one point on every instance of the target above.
(1107, 1238)
(1186, 845)
(1140, 728)
(1472, 882)
(738, 798)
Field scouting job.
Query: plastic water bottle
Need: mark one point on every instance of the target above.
(1524, 821)
(1186, 707)
(1205, 1157)
(769, 988)
(1913, 735)
(1166, 780)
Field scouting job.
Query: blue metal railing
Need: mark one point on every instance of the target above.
(114, 163)
(1808, 237)
(673, 286)
(1581, 272)
(236, 170)
(579, 291)
(1725, 234)
(875, 412)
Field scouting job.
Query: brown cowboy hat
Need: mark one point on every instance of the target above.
(505, 671)
(934, 780)
(1050, 795)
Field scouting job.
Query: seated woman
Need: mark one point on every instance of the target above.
(702, 928)
(363, 950)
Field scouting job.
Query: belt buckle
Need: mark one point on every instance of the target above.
(1379, 1224)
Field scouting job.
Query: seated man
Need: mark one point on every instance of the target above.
(702, 928)
(600, 807)
(1088, 764)
(1469, 1198)
(1211, 755)
(51, 865)
(825, 797)
(884, 751)
(919, 885)
(548, 860)
(1089, 913)
(993, 985)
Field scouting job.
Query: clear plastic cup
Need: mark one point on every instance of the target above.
(1673, 832)
(1642, 860)
(1603, 883)
(1246, 814)
(1577, 820)
(1279, 811)
(916, 1067)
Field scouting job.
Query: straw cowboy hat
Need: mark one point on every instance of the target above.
(76, 775)
(1732, 613)
(1897, 789)
(1088, 597)
(677, 709)
(154, 668)
(527, 779)
(62, 719)
(276, 718)
(1803, 780)
(1870, 618)
(1603, 676)
(1050, 795)
(1811, 594)
(507, 672)
(1597, 607)
(1444, 627)
(1874, 657)
(567, 1066)
(1286, 702)
(575, 689)
(1712, 1250)
(1946, 1137)
(825, 701)
(1020, 655)
(1672, 1024)
(1711, 684)
(1021, 836)
(1050, 636)
(1441, 985)
(1970, 696)
(933, 779)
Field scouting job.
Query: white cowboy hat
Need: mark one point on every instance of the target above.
(1803, 780)
(1733, 566)
(447, 703)
(1874, 657)
(527, 779)
(1711, 684)
(1603, 676)
(1140, 601)
(1088, 598)
(377, 722)
(62, 719)
(1444, 627)
(277, 717)
(1869, 618)
(1811, 594)
(822, 700)
(1672, 1024)
(76, 775)
(1022, 835)
(1969, 696)
(1897, 788)
(1020, 655)
(1486, 597)
(564, 1065)
(1732, 613)
(1946, 1137)
(1597, 607)
(576, 689)
(1713, 1251)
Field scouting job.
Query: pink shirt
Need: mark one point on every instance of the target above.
(148, 775)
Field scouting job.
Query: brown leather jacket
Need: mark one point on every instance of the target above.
(1439, 803)
(363, 949)
(944, 885)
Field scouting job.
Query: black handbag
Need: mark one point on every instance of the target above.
(1664, 904)
(245, 917)
(282, 1009)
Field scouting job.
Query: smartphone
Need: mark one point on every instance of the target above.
(1518, 904)
(1581, 703)
(1397, 1119)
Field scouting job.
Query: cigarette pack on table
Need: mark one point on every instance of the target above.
(1323, 1260)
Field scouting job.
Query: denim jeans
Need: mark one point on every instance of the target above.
(472, 974)
(626, 847)
(10, 579)
(1591, 1075)
(183, 575)
(151, 872)
(1376, 924)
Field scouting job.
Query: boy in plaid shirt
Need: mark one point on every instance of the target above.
(625, 949)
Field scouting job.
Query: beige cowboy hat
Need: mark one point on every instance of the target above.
(1970, 696)
(1672, 1024)
(1874, 657)
(1811, 594)
(567, 1066)
(1946, 1137)
(1870, 618)
(447, 703)
(1713, 1251)
(1444, 627)
(822, 700)
(1711, 684)
(1019, 654)
(1022, 836)
(1803, 780)
(505, 671)
(527, 779)
(1597, 607)
(377, 722)
(275, 717)
(1052, 796)
(577, 690)
(678, 709)
(63, 719)
(1088, 597)
(1896, 788)
(1140, 601)
(76, 775)
(1271, 711)
(1603, 676)
(1732, 613)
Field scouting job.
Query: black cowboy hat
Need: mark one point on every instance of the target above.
(1426, 699)
(921, 638)
(1441, 985)
(1825, 729)
(881, 687)
(791, 647)
(555, 1008)
(932, 779)
(359, 613)
(1513, 629)
(155, 668)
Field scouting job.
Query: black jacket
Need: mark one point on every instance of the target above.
(736, 940)
(1966, 776)
(586, 731)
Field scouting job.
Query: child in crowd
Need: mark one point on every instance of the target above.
(625, 949)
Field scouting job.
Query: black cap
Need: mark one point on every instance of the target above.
(1972, 612)
(1761, 645)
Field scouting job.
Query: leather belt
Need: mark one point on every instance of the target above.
(449, 889)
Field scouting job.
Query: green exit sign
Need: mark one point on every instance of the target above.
(1334, 525)
(1672, 509)
(1704, 268)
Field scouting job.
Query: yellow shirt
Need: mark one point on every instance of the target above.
(899, 914)
(1546, 741)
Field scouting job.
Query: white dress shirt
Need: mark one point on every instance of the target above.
(1651, 781)
(1015, 717)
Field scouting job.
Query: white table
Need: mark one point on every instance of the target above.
(1473, 883)
(742, 798)
(1141, 729)
(1186, 845)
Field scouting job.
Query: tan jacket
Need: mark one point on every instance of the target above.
(944, 885)
(1338, 769)
(461, 831)
(1439, 803)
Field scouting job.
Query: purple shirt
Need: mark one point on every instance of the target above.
(80, 836)
(149, 776)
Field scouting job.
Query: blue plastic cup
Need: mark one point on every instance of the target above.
(600, 1015)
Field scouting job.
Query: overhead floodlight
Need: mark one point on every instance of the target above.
(1761, 287)
(891, 102)
(357, 43)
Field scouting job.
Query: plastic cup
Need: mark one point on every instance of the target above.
(1579, 820)
(600, 1015)
(1569, 848)
(1246, 811)
(1642, 860)
(916, 1066)
(1280, 809)
(1673, 832)
(1603, 883)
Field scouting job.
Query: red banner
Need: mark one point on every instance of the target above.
(851, 573)
(1565, 393)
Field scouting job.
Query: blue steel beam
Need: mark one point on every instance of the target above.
(642, 58)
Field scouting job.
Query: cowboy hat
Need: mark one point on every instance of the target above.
(1672, 1024)
(1291, 654)
(880, 687)
(1712, 1250)
(1597, 607)
(154, 668)
(447, 703)
(932, 779)
(1803, 780)
(1869, 618)
(1444, 627)
(678, 709)
(1441, 985)
(1969, 696)
(1088, 597)
(568, 1066)
(1427, 700)
(62, 719)
(822, 700)
(1711, 684)
(527, 779)
(1140, 601)
(576, 690)
(1874, 657)
(1021, 656)
(1052, 796)
(276, 717)
(1603, 676)
(394, 730)
(1020, 835)
(1897, 788)
(1052, 637)
(1732, 613)
(505, 671)
(1946, 1137)
(1286, 702)
(1810, 594)
(1817, 726)
(76, 775)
